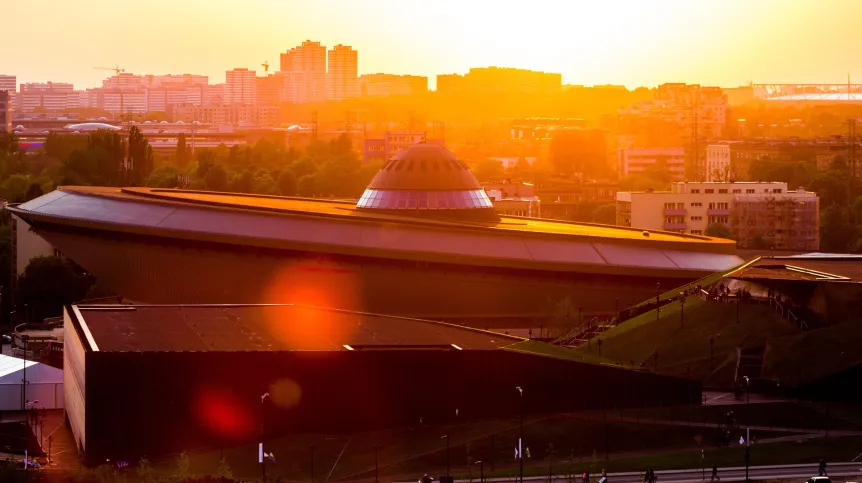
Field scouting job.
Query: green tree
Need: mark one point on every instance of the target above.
(242, 183)
(832, 188)
(836, 232)
(758, 243)
(49, 283)
(163, 177)
(490, 170)
(182, 154)
(605, 214)
(717, 230)
(224, 471)
(183, 464)
(217, 178)
(287, 183)
(857, 210)
(306, 185)
(145, 471)
(34, 191)
(140, 155)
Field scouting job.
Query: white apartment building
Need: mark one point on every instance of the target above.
(50, 96)
(764, 214)
(5, 111)
(305, 72)
(342, 77)
(641, 160)
(8, 83)
(240, 86)
(718, 163)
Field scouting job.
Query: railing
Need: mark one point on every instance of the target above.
(49, 395)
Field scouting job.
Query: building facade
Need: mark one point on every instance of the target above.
(718, 163)
(634, 161)
(233, 114)
(342, 77)
(5, 111)
(305, 69)
(757, 215)
(8, 83)
(391, 144)
(392, 85)
(500, 80)
(240, 87)
(514, 199)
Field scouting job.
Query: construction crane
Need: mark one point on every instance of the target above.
(116, 69)
(265, 66)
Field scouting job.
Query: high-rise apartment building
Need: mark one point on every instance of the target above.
(392, 85)
(5, 111)
(49, 96)
(342, 77)
(500, 80)
(304, 70)
(758, 215)
(240, 86)
(271, 89)
(718, 163)
(8, 83)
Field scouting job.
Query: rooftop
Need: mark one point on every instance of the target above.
(186, 328)
(801, 268)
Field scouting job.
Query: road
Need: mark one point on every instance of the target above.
(801, 473)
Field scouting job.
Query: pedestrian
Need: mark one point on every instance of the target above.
(822, 469)
(426, 479)
(646, 476)
(585, 477)
(714, 476)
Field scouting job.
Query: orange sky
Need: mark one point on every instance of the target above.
(632, 42)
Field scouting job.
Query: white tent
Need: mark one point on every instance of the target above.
(44, 384)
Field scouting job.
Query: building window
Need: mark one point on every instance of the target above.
(697, 232)
(777, 191)
(749, 191)
(696, 218)
(696, 192)
(709, 191)
(696, 205)
(722, 192)
(737, 191)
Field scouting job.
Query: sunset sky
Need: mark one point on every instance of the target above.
(631, 42)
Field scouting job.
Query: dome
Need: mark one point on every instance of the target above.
(428, 180)
(92, 126)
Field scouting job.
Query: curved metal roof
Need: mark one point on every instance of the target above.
(425, 167)
(340, 228)
(92, 126)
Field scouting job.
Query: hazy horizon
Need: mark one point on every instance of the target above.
(712, 42)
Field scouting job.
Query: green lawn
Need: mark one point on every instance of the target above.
(683, 348)
(812, 354)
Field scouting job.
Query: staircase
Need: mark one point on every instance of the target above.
(749, 363)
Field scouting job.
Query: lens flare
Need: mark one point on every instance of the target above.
(285, 393)
(220, 412)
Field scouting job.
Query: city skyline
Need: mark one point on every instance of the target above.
(628, 42)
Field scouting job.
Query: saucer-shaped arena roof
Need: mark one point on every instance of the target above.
(427, 180)
(340, 228)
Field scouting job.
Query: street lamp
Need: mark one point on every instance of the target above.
(376, 466)
(311, 447)
(446, 437)
(261, 453)
(657, 295)
(711, 342)
(521, 436)
(481, 464)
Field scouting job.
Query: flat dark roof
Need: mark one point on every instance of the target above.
(804, 268)
(186, 328)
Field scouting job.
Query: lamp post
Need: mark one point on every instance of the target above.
(747, 452)
(737, 308)
(376, 466)
(446, 437)
(599, 342)
(481, 464)
(261, 452)
(682, 309)
(521, 435)
(657, 295)
(311, 447)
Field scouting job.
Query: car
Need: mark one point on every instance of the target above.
(819, 479)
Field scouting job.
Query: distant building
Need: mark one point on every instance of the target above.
(342, 77)
(5, 111)
(514, 199)
(47, 96)
(642, 160)
(499, 80)
(233, 114)
(718, 163)
(511, 162)
(305, 73)
(391, 144)
(240, 86)
(562, 198)
(392, 85)
(764, 214)
(124, 80)
(270, 89)
(8, 83)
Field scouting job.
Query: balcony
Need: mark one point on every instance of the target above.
(717, 211)
(675, 212)
(675, 226)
